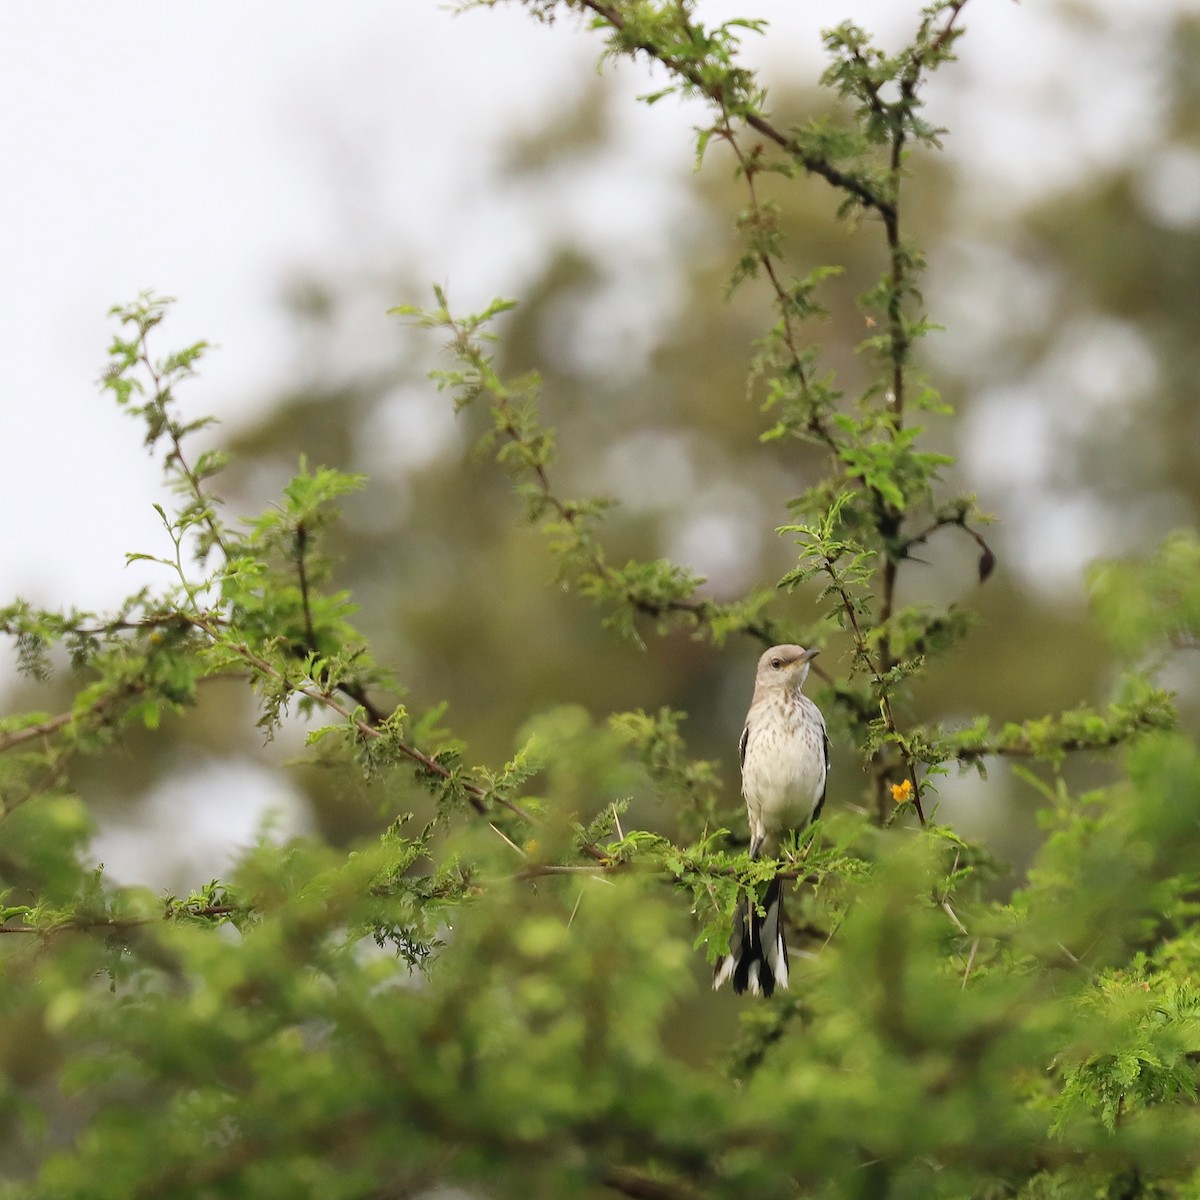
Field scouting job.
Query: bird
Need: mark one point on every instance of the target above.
(784, 754)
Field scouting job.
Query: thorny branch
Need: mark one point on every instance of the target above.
(81, 923)
(863, 653)
(702, 611)
(812, 163)
(750, 168)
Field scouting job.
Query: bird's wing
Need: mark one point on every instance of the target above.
(825, 780)
(742, 745)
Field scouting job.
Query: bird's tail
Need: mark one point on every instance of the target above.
(758, 957)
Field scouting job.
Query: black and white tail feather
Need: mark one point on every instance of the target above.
(758, 955)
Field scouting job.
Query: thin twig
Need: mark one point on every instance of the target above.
(639, 1186)
(84, 924)
(970, 962)
(813, 163)
(948, 909)
(505, 838)
(863, 653)
(540, 870)
(310, 636)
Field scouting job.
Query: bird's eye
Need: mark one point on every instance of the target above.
(777, 663)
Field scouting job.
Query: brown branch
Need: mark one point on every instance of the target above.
(863, 653)
(1024, 748)
(478, 797)
(899, 342)
(702, 611)
(50, 725)
(175, 433)
(917, 61)
(62, 628)
(749, 166)
(987, 557)
(543, 870)
(610, 866)
(310, 635)
(1018, 744)
(83, 924)
(898, 338)
(633, 1183)
(889, 518)
(125, 691)
(812, 163)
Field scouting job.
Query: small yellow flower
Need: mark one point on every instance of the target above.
(531, 846)
(902, 791)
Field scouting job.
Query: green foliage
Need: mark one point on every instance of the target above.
(691, 785)
(487, 994)
(1151, 604)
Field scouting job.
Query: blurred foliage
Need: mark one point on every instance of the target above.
(484, 976)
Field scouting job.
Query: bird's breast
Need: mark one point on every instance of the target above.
(783, 773)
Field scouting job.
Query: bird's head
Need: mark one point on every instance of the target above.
(784, 667)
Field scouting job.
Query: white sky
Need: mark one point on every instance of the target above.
(207, 152)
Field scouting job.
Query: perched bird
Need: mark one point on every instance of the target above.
(785, 760)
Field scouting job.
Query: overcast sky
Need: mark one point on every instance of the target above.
(210, 152)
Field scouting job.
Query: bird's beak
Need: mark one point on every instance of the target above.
(810, 653)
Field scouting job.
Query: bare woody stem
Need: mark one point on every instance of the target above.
(813, 163)
(160, 398)
(750, 169)
(81, 923)
(889, 518)
(310, 636)
(863, 653)
(98, 712)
